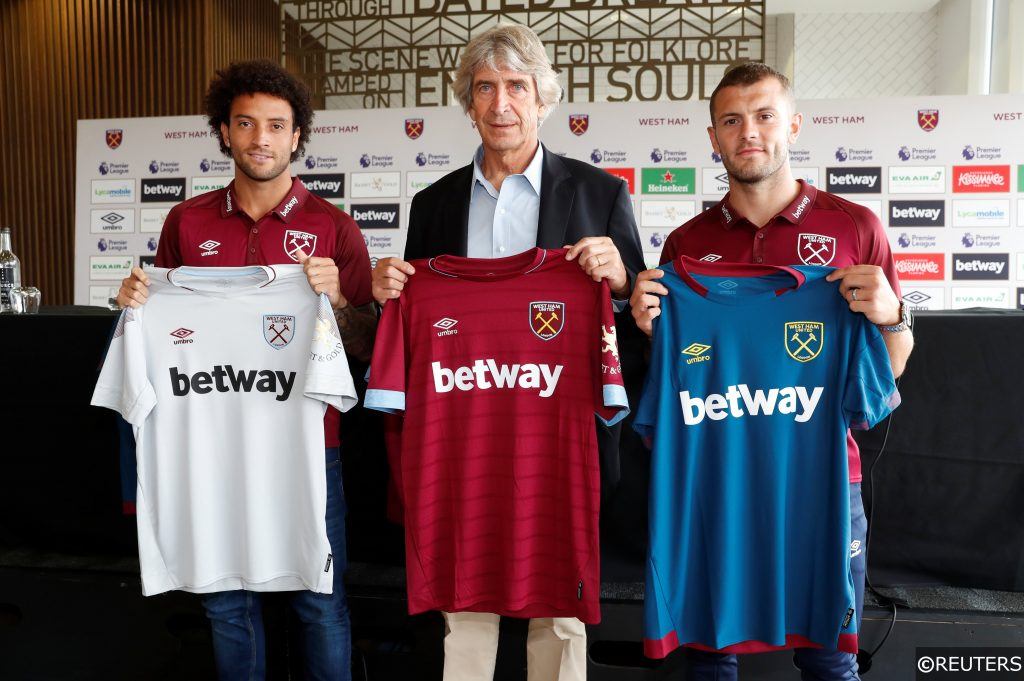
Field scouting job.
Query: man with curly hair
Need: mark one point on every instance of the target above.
(261, 115)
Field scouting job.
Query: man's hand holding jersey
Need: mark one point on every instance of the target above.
(134, 289)
(323, 277)
(867, 291)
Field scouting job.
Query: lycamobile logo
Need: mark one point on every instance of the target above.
(668, 180)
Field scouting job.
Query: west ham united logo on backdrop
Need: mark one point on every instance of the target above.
(579, 123)
(114, 138)
(278, 329)
(547, 319)
(815, 249)
(804, 340)
(928, 119)
(295, 239)
(413, 128)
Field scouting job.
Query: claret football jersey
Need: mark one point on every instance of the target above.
(500, 366)
(756, 374)
(225, 374)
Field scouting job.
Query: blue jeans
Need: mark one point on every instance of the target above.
(815, 664)
(236, 617)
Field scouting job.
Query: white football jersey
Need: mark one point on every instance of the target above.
(225, 374)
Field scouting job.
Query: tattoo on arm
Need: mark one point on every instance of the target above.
(357, 325)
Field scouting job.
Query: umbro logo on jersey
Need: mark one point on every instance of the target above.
(855, 548)
(182, 334)
(816, 249)
(209, 247)
(804, 340)
(711, 257)
(295, 239)
(696, 352)
(739, 401)
(225, 379)
(446, 326)
(486, 373)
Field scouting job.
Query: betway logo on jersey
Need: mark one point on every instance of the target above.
(739, 401)
(225, 379)
(920, 266)
(485, 374)
(981, 266)
(981, 179)
(376, 215)
(163, 190)
(917, 213)
(325, 185)
(862, 180)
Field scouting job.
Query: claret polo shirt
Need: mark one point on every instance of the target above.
(211, 230)
(817, 228)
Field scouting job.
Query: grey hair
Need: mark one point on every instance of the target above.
(508, 46)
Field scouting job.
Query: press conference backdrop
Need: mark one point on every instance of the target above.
(944, 174)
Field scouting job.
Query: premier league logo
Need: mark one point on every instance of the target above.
(421, 159)
(804, 340)
(841, 154)
(579, 123)
(904, 154)
(364, 160)
(928, 119)
(295, 240)
(101, 245)
(904, 240)
(114, 138)
(154, 167)
(716, 157)
(968, 152)
(815, 249)
(310, 162)
(967, 240)
(413, 128)
(547, 319)
(596, 156)
(656, 155)
(204, 165)
(103, 168)
(151, 244)
(278, 329)
(657, 239)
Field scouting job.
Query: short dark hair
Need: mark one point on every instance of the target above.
(749, 73)
(258, 77)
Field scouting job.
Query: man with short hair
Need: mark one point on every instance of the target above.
(770, 218)
(514, 196)
(261, 115)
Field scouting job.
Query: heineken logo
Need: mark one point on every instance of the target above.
(668, 180)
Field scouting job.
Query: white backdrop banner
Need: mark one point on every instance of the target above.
(944, 174)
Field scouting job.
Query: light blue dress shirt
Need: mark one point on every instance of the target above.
(503, 223)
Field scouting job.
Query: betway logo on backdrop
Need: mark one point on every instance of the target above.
(857, 180)
(163, 190)
(917, 213)
(980, 179)
(920, 266)
(325, 185)
(376, 215)
(981, 266)
(917, 180)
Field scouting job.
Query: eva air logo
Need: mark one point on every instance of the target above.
(804, 340)
(668, 180)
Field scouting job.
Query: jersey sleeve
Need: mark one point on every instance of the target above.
(123, 384)
(353, 261)
(328, 378)
(875, 250)
(870, 394)
(612, 405)
(386, 389)
(168, 251)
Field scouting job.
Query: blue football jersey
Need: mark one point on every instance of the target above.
(756, 374)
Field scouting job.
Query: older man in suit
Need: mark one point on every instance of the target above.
(516, 195)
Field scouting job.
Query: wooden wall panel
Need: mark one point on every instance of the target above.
(65, 60)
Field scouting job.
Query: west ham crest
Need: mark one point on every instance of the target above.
(278, 329)
(413, 128)
(815, 249)
(114, 138)
(579, 123)
(928, 119)
(295, 239)
(547, 319)
(804, 340)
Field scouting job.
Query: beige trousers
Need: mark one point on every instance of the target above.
(556, 648)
